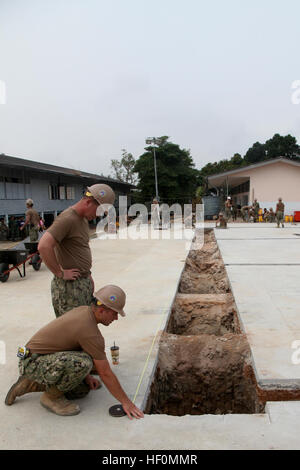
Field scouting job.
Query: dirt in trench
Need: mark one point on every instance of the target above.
(203, 374)
(198, 314)
(204, 271)
(204, 362)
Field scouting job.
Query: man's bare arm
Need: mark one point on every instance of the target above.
(113, 385)
(27, 220)
(46, 248)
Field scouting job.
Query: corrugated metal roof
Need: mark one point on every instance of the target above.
(7, 160)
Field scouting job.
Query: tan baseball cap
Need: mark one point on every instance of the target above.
(29, 202)
(112, 297)
(102, 193)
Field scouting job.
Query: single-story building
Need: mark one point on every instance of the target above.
(265, 181)
(52, 188)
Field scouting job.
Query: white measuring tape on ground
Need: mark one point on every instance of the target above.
(147, 360)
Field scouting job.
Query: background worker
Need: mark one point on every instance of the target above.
(234, 212)
(280, 213)
(228, 207)
(62, 353)
(265, 215)
(3, 230)
(245, 213)
(65, 250)
(256, 210)
(41, 224)
(272, 215)
(33, 220)
(13, 228)
(155, 213)
(221, 221)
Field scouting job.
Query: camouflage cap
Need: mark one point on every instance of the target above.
(112, 297)
(102, 193)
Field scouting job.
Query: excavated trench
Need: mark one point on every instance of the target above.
(204, 361)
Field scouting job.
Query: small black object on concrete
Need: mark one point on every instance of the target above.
(117, 411)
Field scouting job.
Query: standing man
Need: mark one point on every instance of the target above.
(155, 214)
(280, 212)
(245, 213)
(32, 219)
(13, 228)
(256, 210)
(59, 357)
(228, 207)
(65, 250)
(3, 230)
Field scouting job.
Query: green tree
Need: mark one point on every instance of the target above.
(123, 169)
(237, 161)
(282, 146)
(256, 153)
(177, 177)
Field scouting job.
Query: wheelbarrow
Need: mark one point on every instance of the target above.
(18, 258)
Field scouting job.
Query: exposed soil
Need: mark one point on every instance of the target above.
(204, 271)
(194, 314)
(204, 362)
(203, 374)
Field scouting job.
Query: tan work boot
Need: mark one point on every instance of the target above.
(22, 386)
(55, 401)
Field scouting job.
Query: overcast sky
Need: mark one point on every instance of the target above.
(87, 78)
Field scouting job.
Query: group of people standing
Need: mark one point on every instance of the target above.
(251, 213)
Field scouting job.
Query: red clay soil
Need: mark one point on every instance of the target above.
(203, 374)
(194, 314)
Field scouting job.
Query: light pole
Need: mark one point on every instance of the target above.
(154, 141)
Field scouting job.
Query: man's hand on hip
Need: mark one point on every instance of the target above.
(70, 274)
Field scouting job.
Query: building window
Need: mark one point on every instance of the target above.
(61, 192)
(53, 191)
(70, 192)
(13, 188)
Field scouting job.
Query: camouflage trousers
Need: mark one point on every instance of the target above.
(70, 294)
(279, 218)
(227, 213)
(34, 234)
(66, 370)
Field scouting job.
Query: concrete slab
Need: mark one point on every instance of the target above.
(263, 266)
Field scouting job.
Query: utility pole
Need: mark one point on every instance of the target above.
(154, 141)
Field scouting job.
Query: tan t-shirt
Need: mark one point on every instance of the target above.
(280, 207)
(74, 331)
(72, 235)
(34, 218)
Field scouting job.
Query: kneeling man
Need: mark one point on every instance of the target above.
(59, 357)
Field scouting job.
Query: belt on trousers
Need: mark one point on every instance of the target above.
(33, 355)
(86, 276)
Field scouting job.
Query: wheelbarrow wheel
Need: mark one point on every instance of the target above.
(3, 268)
(36, 263)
